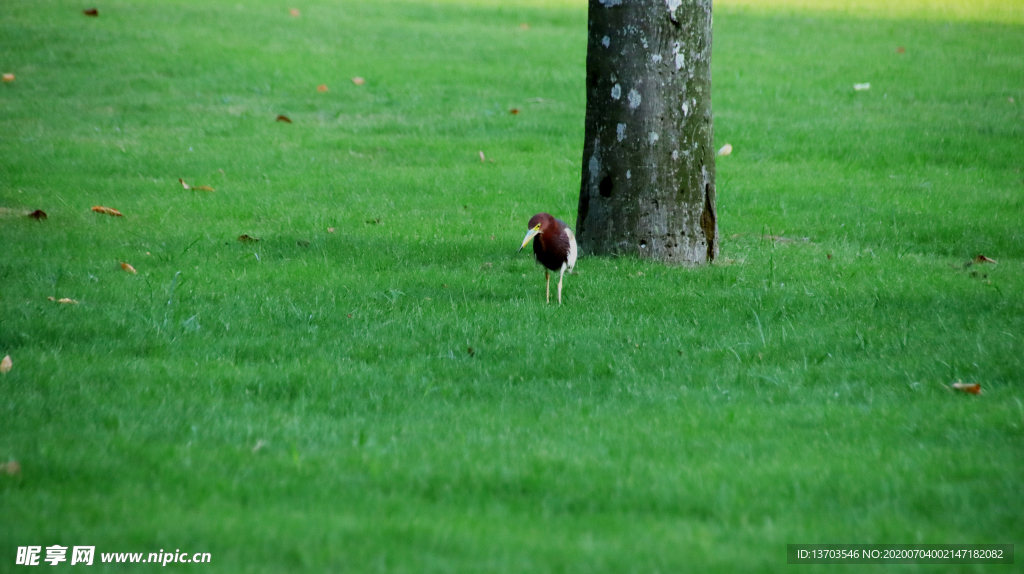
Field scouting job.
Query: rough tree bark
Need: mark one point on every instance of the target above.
(648, 185)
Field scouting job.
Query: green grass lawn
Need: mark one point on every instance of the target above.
(396, 396)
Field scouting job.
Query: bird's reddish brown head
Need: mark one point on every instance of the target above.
(545, 220)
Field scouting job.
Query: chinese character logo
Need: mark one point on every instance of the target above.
(55, 554)
(28, 555)
(82, 555)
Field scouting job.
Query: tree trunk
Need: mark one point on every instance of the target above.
(648, 185)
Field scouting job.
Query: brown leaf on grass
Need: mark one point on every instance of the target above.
(107, 210)
(900, 49)
(294, 12)
(195, 187)
(978, 260)
(971, 388)
(246, 238)
(128, 268)
(514, 111)
(284, 119)
(6, 364)
(8, 77)
(12, 467)
(38, 215)
(91, 12)
(321, 88)
(482, 158)
(63, 301)
(358, 81)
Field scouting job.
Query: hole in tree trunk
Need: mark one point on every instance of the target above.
(605, 187)
(707, 222)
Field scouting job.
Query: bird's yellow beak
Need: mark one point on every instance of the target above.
(530, 235)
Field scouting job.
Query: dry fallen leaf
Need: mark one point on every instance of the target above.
(91, 12)
(195, 187)
(294, 12)
(983, 259)
(482, 158)
(246, 238)
(726, 150)
(524, 26)
(63, 301)
(107, 210)
(12, 468)
(331, 230)
(972, 388)
(861, 87)
(514, 111)
(358, 81)
(8, 77)
(128, 268)
(284, 119)
(38, 214)
(6, 364)
(900, 50)
(321, 88)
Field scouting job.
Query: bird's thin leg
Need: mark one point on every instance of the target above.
(547, 290)
(560, 274)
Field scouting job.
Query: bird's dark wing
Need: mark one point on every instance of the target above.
(552, 249)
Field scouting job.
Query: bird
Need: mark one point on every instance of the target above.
(554, 245)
